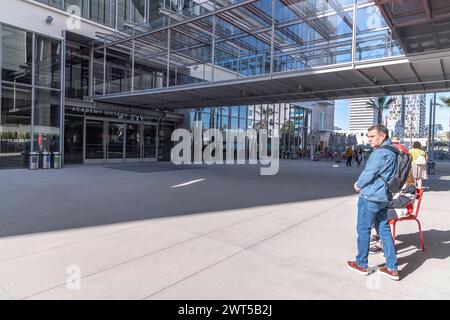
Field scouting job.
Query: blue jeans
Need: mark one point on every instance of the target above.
(375, 213)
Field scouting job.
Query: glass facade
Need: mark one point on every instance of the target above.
(77, 71)
(111, 13)
(291, 121)
(30, 95)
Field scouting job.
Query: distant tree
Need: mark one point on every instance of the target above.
(445, 103)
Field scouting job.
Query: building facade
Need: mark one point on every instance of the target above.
(407, 116)
(361, 115)
(74, 72)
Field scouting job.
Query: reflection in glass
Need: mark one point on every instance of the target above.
(103, 11)
(46, 120)
(94, 139)
(133, 143)
(77, 71)
(149, 141)
(16, 55)
(115, 140)
(98, 72)
(118, 71)
(15, 125)
(48, 62)
(73, 139)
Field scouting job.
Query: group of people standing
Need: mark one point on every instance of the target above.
(377, 205)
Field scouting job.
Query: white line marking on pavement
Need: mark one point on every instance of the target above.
(187, 183)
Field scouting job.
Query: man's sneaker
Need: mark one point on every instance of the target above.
(357, 268)
(374, 239)
(393, 275)
(375, 249)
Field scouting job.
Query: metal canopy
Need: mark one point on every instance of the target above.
(395, 77)
(421, 25)
(262, 51)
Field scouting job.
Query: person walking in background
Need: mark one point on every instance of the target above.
(349, 154)
(419, 163)
(374, 198)
(358, 156)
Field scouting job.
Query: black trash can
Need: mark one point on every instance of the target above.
(431, 167)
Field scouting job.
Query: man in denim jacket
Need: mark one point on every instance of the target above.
(374, 197)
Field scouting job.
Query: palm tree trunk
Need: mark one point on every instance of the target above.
(380, 115)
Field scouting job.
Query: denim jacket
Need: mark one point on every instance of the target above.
(382, 162)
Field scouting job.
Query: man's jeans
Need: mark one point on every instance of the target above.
(375, 213)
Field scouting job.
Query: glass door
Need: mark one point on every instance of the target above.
(149, 139)
(133, 141)
(115, 141)
(94, 139)
(73, 140)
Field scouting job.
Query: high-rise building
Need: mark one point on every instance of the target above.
(361, 115)
(407, 116)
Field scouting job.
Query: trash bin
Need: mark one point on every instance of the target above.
(34, 161)
(56, 160)
(46, 160)
(431, 167)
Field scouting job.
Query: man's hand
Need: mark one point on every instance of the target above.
(358, 189)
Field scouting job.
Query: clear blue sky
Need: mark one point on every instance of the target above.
(442, 114)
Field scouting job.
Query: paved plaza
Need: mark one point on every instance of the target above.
(142, 231)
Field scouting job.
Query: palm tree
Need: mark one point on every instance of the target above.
(445, 103)
(379, 104)
(265, 114)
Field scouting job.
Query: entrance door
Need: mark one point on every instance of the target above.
(73, 140)
(133, 141)
(149, 141)
(94, 139)
(115, 141)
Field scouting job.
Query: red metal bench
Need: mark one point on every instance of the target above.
(413, 212)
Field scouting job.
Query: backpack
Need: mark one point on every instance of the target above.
(401, 171)
(421, 161)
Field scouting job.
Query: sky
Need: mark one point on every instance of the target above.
(442, 114)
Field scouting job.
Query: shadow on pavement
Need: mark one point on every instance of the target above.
(437, 246)
(80, 197)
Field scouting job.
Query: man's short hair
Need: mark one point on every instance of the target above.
(380, 129)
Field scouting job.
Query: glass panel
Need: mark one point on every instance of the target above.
(133, 143)
(48, 62)
(149, 141)
(243, 124)
(190, 53)
(115, 140)
(16, 55)
(137, 11)
(73, 139)
(77, 71)
(310, 34)
(373, 36)
(101, 11)
(122, 12)
(98, 72)
(150, 58)
(46, 120)
(15, 125)
(53, 3)
(118, 71)
(94, 139)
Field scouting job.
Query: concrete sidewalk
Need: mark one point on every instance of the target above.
(233, 234)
